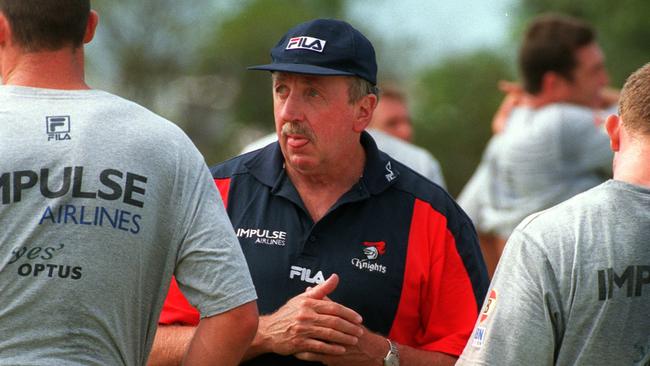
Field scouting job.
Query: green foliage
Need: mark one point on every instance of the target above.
(453, 108)
(244, 39)
(146, 45)
(187, 61)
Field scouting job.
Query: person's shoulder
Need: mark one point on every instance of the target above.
(564, 107)
(567, 212)
(260, 143)
(139, 117)
(415, 157)
(568, 113)
(236, 165)
(422, 189)
(144, 129)
(388, 143)
(401, 150)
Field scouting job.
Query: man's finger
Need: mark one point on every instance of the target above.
(337, 312)
(325, 288)
(310, 356)
(344, 334)
(322, 347)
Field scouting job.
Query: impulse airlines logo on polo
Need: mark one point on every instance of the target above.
(263, 236)
(372, 250)
(306, 43)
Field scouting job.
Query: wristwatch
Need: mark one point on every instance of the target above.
(392, 358)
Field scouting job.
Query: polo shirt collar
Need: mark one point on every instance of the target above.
(379, 172)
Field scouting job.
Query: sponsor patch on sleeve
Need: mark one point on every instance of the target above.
(481, 329)
(479, 336)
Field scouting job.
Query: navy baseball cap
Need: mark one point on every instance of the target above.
(324, 47)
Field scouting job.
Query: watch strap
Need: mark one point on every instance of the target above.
(392, 357)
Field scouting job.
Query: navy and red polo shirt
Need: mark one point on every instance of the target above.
(406, 254)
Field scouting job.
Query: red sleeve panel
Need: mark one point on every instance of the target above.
(176, 309)
(437, 308)
(224, 188)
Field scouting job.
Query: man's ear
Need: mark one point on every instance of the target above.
(93, 20)
(613, 127)
(365, 107)
(555, 86)
(5, 30)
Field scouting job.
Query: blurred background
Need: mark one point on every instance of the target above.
(186, 60)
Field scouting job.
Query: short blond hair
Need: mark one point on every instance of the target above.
(634, 105)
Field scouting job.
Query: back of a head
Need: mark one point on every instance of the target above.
(392, 91)
(549, 44)
(49, 25)
(634, 105)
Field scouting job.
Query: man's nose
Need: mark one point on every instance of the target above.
(292, 108)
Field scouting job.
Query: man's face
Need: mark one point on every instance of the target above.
(392, 116)
(589, 76)
(314, 121)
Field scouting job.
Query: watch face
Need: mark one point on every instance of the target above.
(391, 360)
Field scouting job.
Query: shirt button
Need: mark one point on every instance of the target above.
(312, 238)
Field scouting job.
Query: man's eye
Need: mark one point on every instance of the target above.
(313, 93)
(281, 89)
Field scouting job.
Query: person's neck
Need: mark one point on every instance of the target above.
(540, 100)
(320, 190)
(545, 98)
(60, 69)
(633, 165)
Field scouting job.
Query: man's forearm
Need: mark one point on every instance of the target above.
(377, 347)
(170, 344)
(260, 344)
(410, 356)
(224, 338)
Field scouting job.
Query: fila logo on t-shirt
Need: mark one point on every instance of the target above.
(57, 128)
(372, 250)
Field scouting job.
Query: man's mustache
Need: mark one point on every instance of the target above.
(295, 128)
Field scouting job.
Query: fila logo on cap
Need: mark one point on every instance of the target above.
(306, 43)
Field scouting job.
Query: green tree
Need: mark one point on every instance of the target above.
(453, 107)
(144, 45)
(244, 39)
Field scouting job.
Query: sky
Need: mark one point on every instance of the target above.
(409, 33)
(434, 29)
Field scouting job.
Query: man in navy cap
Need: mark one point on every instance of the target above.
(356, 259)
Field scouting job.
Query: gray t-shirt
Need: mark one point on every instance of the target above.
(543, 157)
(101, 201)
(572, 286)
